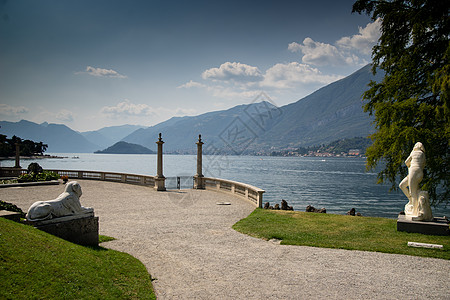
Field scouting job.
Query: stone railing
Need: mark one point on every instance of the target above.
(11, 171)
(108, 176)
(247, 191)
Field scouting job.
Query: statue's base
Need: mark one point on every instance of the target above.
(82, 230)
(439, 226)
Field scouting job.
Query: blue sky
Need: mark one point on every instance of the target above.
(91, 64)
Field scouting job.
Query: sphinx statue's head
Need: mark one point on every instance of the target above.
(74, 187)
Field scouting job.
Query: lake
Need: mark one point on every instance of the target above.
(336, 183)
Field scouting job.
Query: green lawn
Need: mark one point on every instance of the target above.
(338, 231)
(37, 265)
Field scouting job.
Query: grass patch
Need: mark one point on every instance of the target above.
(104, 238)
(338, 231)
(34, 264)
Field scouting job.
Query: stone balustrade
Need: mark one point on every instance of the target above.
(108, 176)
(246, 191)
(249, 192)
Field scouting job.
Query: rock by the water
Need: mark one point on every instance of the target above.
(284, 206)
(352, 212)
(311, 208)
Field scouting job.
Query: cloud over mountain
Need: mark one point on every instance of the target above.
(9, 110)
(128, 108)
(346, 51)
(233, 71)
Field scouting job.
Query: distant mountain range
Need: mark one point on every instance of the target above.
(331, 113)
(61, 138)
(107, 136)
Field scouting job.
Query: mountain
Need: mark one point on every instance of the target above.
(126, 148)
(107, 136)
(181, 133)
(332, 112)
(58, 137)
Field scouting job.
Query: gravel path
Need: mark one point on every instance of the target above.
(186, 242)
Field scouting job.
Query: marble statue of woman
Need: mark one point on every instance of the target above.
(410, 185)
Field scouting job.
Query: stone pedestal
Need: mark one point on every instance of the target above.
(160, 184)
(160, 180)
(199, 182)
(82, 230)
(17, 156)
(439, 226)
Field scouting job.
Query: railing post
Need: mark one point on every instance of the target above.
(199, 182)
(259, 199)
(160, 180)
(80, 175)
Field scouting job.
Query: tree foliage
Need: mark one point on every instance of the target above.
(411, 103)
(27, 147)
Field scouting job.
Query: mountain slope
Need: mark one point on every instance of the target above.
(107, 136)
(59, 138)
(332, 112)
(181, 133)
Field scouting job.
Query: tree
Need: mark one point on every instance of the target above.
(411, 103)
(27, 147)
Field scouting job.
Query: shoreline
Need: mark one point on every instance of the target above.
(34, 157)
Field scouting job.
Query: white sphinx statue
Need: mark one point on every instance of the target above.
(418, 207)
(66, 204)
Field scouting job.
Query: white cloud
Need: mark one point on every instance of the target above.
(346, 51)
(365, 40)
(99, 72)
(183, 111)
(64, 115)
(282, 76)
(322, 54)
(293, 75)
(191, 84)
(126, 108)
(233, 71)
(9, 110)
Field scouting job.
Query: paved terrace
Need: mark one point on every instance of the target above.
(186, 242)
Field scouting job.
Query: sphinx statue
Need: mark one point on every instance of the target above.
(66, 204)
(418, 207)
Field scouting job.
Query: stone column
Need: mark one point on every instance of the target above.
(199, 182)
(160, 180)
(17, 156)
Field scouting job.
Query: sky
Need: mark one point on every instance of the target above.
(92, 64)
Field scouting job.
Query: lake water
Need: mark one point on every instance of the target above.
(338, 184)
